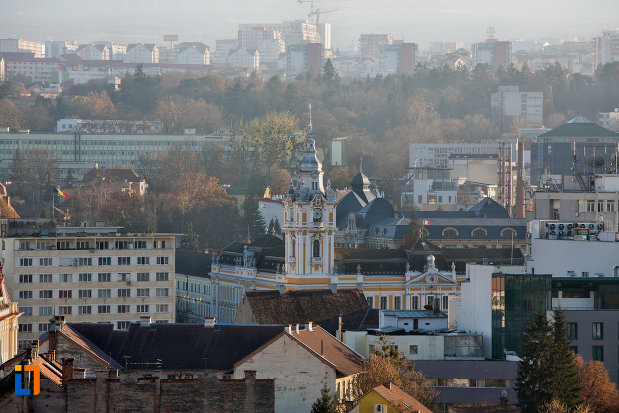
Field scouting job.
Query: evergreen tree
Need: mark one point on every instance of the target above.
(276, 226)
(271, 226)
(415, 228)
(190, 238)
(566, 384)
(328, 71)
(535, 378)
(325, 403)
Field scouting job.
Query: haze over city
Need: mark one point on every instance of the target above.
(195, 20)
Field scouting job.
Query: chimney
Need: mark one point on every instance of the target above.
(35, 347)
(309, 326)
(144, 321)
(113, 373)
(297, 328)
(67, 371)
(250, 375)
(209, 321)
(289, 329)
(339, 327)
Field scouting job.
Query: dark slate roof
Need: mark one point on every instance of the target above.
(371, 319)
(194, 263)
(178, 346)
(372, 261)
(321, 307)
(351, 202)
(377, 210)
(461, 256)
(486, 208)
(578, 127)
(268, 250)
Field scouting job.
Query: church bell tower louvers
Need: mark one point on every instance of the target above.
(309, 218)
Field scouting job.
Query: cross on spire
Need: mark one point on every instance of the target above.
(310, 111)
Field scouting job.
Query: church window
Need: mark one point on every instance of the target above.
(316, 253)
(450, 233)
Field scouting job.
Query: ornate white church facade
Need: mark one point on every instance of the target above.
(306, 257)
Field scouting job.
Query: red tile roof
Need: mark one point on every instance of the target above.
(345, 360)
(401, 400)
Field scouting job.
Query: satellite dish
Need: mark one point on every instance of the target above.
(594, 160)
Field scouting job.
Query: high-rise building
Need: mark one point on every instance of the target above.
(86, 273)
(510, 107)
(325, 35)
(56, 48)
(607, 47)
(303, 58)
(493, 53)
(268, 42)
(22, 46)
(398, 58)
(222, 50)
(370, 44)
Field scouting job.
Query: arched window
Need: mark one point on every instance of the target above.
(316, 253)
(507, 233)
(479, 233)
(450, 233)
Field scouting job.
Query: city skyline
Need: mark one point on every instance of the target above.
(149, 21)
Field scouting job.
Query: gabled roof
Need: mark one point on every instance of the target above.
(112, 175)
(399, 399)
(346, 361)
(177, 346)
(321, 307)
(578, 127)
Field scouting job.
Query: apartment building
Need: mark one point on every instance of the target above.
(55, 48)
(269, 43)
(81, 151)
(511, 108)
(436, 155)
(37, 69)
(303, 58)
(90, 273)
(370, 44)
(610, 120)
(22, 46)
(141, 53)
(195, 291)
(493, 53)
(223, 47)
(92, 51)
(398, 58)
(607, 47)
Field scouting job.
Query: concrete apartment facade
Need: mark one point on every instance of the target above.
(87, 273)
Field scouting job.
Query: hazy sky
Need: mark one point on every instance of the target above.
(418, 21)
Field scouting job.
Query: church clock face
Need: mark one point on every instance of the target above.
(317, 213)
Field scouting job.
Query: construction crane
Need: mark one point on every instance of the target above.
(314, 11)
(318, 12)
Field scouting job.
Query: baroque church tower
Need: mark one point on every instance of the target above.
(309, 218)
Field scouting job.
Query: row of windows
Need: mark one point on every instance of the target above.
(101, 293)
(597, 352)
(597, 331)
(397, 302)
(87, 261)
(120, 325)
(88, 277)
(590, 206)
(86, 245)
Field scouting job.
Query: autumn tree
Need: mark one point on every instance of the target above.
(598, 392)
(280, 180)
(11, 115)
(388, 364)
(272, 140)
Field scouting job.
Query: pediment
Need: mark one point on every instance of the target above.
(431, 278)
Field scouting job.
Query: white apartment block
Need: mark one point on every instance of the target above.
(93, 52)
(370, 44)
(222, 50)
(117, 50)
(22, 46)
(268, 42)
(510, 102)
(192, 53)
(87, 274)
(81, 151)
(244, 58)
(54, 48)
(610, 120)
(607, 47)
(436, 155)
(38, 69)
(142, 53)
